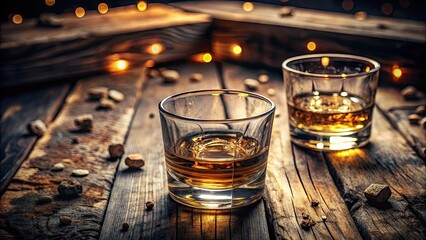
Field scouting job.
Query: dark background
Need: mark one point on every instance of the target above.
(404, 9)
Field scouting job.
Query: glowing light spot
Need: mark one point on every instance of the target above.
(248, 6)
(397, 72)
(155, 48)
(362, 119)
(243, 94)
(215, 94)
(207, 57)
(320, 145)
(120, 65)
(359, 126)
(344, 75)
(49, 2)
(150, 63)
(387, 8)
(311, 46)
(142, 6)
(80, 12)
(325, 61)
(347, 4)
(236, 49)
(367, 69)
(102, 8)
(343, 94)
(17, 19)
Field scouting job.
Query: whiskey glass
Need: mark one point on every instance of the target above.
(216, 145)
(330, 100)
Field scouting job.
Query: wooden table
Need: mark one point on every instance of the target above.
(114, 194)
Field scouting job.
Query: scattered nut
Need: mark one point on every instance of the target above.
(84, 122)
(80, 172)
(97, 93)
(149, 205)
(116, 150)
(314, 203)
(125, 227)
(37, 127)
(115, 95)
(377, 193)
(170, 76)
(74, 140)
(106, 104)
(413, 118)
(44, 200)
(263, 78)
(57, 167)
(134, 161)
(153, 73)
(277, 114)
(361, 15)
(421, 110)
(305, 215)
(286, 11)
(196, 77)
(271, 92)
(70, 188)
(410, 93)
(65, 220)
(323, 217)
(307, 224)
(423, 123)
(251, 84)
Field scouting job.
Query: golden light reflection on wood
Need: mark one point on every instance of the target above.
(311, 46)
(155, 49)
(17, 19)
(80, 12)
(248, 6)
(142, 6)
(119, 65)
(102, 8)
(236, 49)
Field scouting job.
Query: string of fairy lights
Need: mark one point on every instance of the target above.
(236, 49)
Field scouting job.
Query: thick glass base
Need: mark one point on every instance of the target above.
(216, 199)
(330, 142)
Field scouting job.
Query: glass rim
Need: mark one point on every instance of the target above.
(332, 55)
(233, 91)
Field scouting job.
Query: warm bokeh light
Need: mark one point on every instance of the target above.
(236, 49)
(49, 2)
(17, 19)
(119, 65)
(150, 63)
(347, 4)
(311, 46)
(102, 8)
(207, 57)
(387, 8)
(248, 6)
(344, 75)
(325, 61)
(396, 72)
(155, 48)
(367, 69)
(142, 6)
(79, 12)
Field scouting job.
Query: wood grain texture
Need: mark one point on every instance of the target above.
(86, 46)
(169, 220)
(17, 110)
(396, 110)
(295, 176)
(388, 159)
(20, 215)
(266, 38)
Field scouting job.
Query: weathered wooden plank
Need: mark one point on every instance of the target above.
(132, 189)
(20, 215)
(266, 38)
(17, 110)
(85, 46)
(386, 160)
(396, 109)
(295, 176)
